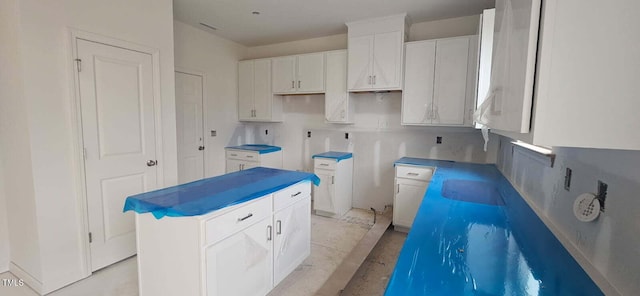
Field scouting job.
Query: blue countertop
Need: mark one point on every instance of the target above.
(475, 235)
(206, 195)
(260, 148)
(338, 156)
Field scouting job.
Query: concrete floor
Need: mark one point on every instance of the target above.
(331, 241)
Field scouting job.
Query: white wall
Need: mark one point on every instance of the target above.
(16, 160)
(459, 26)
(4, 227)
(609, 246)
(375, 148)
(217, 58)
(44, 124)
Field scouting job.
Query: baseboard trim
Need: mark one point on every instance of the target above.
(31, 281)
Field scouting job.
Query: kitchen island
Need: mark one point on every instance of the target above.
(235, 234)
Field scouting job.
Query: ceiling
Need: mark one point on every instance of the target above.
(289, 20)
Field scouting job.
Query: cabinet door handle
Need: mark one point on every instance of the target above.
(293, 84)
(398, 189)
(324, 164)
(413, 174)
(332, 179)
(269, 230)
(245, 217)
(296, 194)
(278, 227)
(298, 83)
(249, 156)
(374, 79)
(233, 154)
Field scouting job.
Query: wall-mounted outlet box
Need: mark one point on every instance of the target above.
(266, 132)
(438, 140)
(214, 133)
(308, 134)
(346, 136)
(567, 179)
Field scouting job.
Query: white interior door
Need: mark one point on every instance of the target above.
(116, 95)
(189, 127)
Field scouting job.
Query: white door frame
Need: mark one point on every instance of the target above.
(205, 130)
(76, 128)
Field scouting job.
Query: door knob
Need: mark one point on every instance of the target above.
(152, 162)
(201, 148)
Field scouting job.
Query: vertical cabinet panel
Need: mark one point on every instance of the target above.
(310, 73)
(336, 99)
(292, 238)
(245, 90)
(408, 197)
(360, 56)
(242, 264)
(284, 75)
(417, 95)
(450, 81)
(324, 195)
(387, 60)
(262, 84)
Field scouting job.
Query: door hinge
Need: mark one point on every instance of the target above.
(79, 64)
(90, 238)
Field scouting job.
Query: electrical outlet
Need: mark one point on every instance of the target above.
(567, 179)
(266, 132)
(438, 140)
(308, 134)
(346, 136)
(214, 133)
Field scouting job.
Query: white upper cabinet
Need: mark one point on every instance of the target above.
(375, 49)
(255, 99)
(338, 106)
(298, 74)
(586, 73)
(513, 65)
(439, 86)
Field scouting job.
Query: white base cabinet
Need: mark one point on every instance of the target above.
(411, 183)
(244, 249)
(334, 196)
(239, 160)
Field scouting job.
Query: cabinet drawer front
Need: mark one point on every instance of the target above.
(324, 163)
(229, 223)
(413, 172)
(243, 155)
(290, 195)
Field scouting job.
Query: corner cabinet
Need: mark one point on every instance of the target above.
(375, 53)
(242, 250)
(440, 81)
(338, 105)
(256, 101)
(301, 74)
(411, 183)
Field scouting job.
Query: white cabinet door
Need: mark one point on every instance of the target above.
(249, 165)
(387, 60)
(336, 96)
(292, 239)
(417, 94)
(245, 90)
(407, 200)
(284, 75)
(310, 73)
(360, 56)
(243, 263)
(262, 90)
(234, 165)
(324, 195)
(450, 81)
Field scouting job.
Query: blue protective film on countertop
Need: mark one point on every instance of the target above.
(458, 246)
(423, 162)
(338, 156)
(260, 148)
(206, 195)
